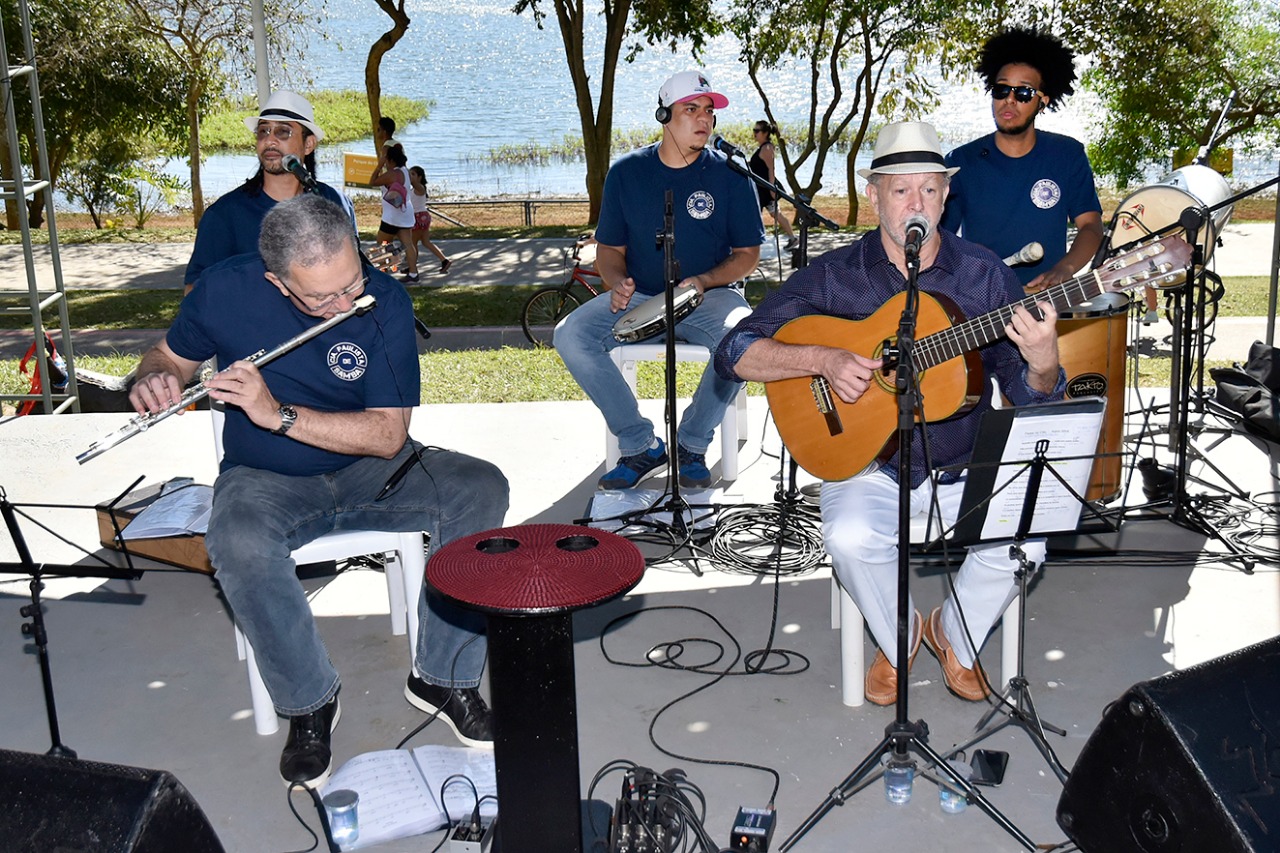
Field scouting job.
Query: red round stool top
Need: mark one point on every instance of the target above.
(536, 568)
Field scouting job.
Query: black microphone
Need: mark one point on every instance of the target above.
(727, 148)
(294, 165)
(917, 231)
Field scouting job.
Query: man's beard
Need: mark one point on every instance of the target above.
(1019, 130)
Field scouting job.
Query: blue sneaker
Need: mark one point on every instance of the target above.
(694, 473)
(631, 469)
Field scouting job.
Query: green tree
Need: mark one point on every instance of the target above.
(651, 20)
(208, 40)
(99, 80)
(864, 61)
(1164, 70)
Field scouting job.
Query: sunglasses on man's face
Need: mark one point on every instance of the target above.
(1024, 94)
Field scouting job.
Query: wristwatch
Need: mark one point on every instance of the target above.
(288, 415)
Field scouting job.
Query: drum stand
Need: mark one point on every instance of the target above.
(1184, 509)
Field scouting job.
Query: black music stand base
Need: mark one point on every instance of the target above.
(1016, 703)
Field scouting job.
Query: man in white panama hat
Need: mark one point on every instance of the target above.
(907, 184)
(285, 125)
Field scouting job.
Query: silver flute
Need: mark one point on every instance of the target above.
(142, 423)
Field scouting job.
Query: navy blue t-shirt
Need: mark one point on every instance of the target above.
(364, 362)
(230, 226)
(715, 210)
(1004, 202)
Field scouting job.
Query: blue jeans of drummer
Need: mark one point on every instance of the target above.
(259, 517)
(585, 338)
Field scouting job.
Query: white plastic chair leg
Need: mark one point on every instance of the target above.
(413, 569)
(846, 616)
(265, 719)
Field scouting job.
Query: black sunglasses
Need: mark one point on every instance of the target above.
(1024, 94)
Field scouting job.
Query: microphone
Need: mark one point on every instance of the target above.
(299, 171)
(1028, 254)
(916, 232)
(727, 148)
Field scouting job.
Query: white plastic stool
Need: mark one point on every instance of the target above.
(733, 428)
(846, 617)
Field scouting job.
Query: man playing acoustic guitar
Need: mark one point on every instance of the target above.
(907, 181)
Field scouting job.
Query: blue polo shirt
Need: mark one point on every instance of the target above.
(715, 210)
(1004, 202)
(230, 226)
(364, 362)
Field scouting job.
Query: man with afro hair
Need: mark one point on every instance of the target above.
(1019, 185)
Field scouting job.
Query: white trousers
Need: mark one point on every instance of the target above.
(859, 529)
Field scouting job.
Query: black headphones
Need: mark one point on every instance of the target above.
(662, 114)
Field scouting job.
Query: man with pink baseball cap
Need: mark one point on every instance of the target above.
(718, 232)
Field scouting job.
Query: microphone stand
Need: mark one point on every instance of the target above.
(808, 216)
(678, 533)
(902, 735)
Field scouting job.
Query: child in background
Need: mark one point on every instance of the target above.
(422, 216)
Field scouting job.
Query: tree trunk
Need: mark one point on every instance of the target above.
(6, 174)
(372, 81)
(597, 125)
(193, 151)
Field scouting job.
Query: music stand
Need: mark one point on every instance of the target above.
(993, 497)
(35, 611)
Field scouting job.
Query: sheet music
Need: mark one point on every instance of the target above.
(398, 789)
(1069, 434)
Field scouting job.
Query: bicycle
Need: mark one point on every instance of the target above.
(548, 305)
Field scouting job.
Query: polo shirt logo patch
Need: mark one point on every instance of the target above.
(347, 361)
(1045, 194)
(700, 204)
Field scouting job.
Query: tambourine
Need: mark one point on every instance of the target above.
(650, 317)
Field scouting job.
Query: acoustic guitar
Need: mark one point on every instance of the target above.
(834, 440)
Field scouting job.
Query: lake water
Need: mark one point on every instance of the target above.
(495, 79)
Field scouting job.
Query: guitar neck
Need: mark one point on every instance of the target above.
(1150, 264)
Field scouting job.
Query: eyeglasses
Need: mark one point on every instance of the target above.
(282, 132)
(1023, 94)
(760, 130)
(352, 291)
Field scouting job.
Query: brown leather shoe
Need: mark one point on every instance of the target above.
(881, 683)
(968, 684)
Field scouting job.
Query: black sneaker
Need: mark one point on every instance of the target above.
(463, 708)
(694, 473)
(307, 758)
(632, 469)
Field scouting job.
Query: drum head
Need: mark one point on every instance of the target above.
(1161, 204)
(1103, 305)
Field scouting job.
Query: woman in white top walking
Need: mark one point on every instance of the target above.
(397, 211)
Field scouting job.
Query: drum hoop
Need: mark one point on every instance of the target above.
(648, 319)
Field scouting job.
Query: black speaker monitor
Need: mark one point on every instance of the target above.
(1185, 763)
(66, 804)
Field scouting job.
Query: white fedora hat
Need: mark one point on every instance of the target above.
(906, 148)
(287, 106)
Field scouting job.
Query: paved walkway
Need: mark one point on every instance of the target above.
(1247, 249)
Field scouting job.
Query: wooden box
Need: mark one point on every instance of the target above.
(186, 552)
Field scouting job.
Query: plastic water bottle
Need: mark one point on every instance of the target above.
(951, 798)
(344, 823)
(898, 777)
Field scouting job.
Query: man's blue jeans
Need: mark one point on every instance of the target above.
(584, 340)
(260, 517)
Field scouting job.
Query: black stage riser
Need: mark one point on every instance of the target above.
(1185, 763)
